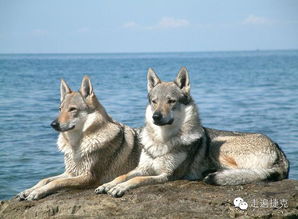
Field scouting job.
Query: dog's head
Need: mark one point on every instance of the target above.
(167, 100)
(75, 106)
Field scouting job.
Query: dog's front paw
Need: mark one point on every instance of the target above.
(104, 188)
(117, 191)
(35, 195)
(23, 195)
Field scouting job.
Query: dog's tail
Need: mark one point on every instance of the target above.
(278, 171)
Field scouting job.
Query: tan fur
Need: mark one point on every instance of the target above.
(170, 142)
(96, 148)
(176, 146)
(63, 117)
(138, 179)
(165, 109)
(121, 178)
(227, 161)
(241, 158)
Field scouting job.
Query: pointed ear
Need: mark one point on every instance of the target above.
(64, 89)
(86, 87)
(182, 80)
(152, 79)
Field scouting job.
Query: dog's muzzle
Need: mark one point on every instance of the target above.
(159, 120)
(61, 127)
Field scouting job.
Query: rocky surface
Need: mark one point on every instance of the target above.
(179, 199)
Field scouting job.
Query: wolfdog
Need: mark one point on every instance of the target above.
(96, 148)
(177, 146)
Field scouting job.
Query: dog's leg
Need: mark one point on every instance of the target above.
(62, 183)
(25, 193)
(107, 186)
(120, 189)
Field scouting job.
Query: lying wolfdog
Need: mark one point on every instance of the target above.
(96, 148)
(176, 146)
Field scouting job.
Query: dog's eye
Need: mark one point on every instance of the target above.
(154, 101)
(171, 101)
(72, 109)
(60, 109)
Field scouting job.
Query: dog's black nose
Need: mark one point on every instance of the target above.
(157, 116)
(55, 124)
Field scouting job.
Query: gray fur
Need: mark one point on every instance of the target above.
(258, 158)
(170, 149)
(177, 146)
(96, 148)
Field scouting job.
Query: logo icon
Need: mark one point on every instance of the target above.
(240, 203)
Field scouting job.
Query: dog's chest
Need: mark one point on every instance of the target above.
(77, 164)
(161, 161)
(158, 150)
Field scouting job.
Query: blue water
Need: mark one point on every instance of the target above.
(240, 91)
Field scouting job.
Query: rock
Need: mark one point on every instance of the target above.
(177, 199)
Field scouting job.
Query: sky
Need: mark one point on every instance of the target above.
(108, 26)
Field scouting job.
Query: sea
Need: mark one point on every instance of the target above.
(249, 91)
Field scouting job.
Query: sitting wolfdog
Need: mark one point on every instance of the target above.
(96, 148)
(176, 146)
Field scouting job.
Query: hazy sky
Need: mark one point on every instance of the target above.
(95, 26)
